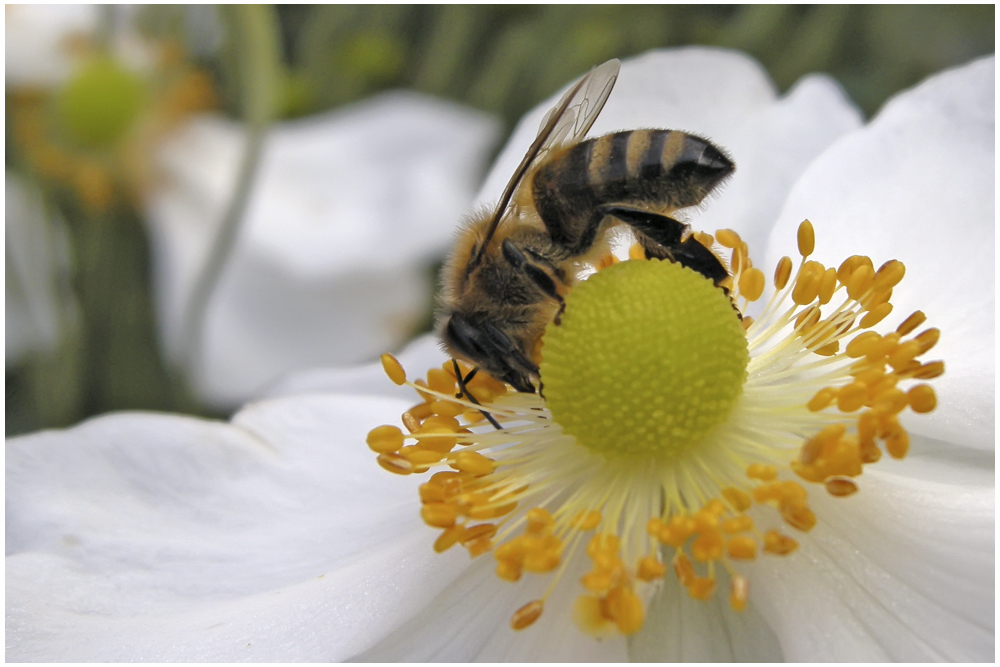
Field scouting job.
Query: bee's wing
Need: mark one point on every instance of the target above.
(566, 123)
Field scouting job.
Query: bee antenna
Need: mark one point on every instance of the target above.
(463, 390)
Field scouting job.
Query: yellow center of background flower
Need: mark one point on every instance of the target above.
(648, 358)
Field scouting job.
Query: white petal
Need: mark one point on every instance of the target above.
(329, 268)
(143, 537)
(37, 41)
(728, 98)
(681, 629)
(917, 185)
(903, 570)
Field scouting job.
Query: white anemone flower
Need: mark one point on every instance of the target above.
(276, 537)
(330, 266)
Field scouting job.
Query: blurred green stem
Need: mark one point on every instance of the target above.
(256, 42)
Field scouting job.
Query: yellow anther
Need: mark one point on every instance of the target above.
(705, 521)
(852, 397)
(738, 524)
(778, 544)
(850, 265)
(828, 350)
(508, 570)
(418, 384)
(922, 398)
(683, 569)
(478, 531)
(410, 422)
(602, 542)
(478, 547)
(761, 471)
(889, 275)
(737, 499)
(597, 581)
(897, 440)
(904, 354)
(679, 529)
(539, 521)
(439, 515)
(889, 401)
(751, 284)
(393, 369)
(526, 615)
(449, 538)
(385, 439)
(883, 347)
(860, 281)
(822, 399)
(649, 568)
(715, 506)
(627, 610)
(702, 588)
(742, 547)
(705, 239)
(862, 344)
(798, 516)
(473, 463)
(727, 238)
(655, 527)
(808, 318)
(420, 458)
(828, 285)
(928, 371)
(806, 238)
(911, 323)
(541, 561)
(807, 283)
(586, 520)
(432, 493)
(875, 315)
(395, 463)
(447, 408)
(439, 424)
(588, 614)
(707, 546)
(636, 252)
(876, 298)
(739, 591)
(746, 322)
(420, 411)
(928, 339)
(441, 381)
(840, 486)
(782, 272)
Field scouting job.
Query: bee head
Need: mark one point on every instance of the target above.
(481, 342)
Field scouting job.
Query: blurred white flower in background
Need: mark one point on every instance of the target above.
(331, 266)
(41, 42)
(38, 303)
(277, 537)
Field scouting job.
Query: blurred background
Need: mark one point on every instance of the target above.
(200, 199)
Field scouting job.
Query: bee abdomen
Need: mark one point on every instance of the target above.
(655, 169)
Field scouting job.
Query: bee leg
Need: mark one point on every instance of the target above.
(535, 273)
(668, 234)
(463, 390)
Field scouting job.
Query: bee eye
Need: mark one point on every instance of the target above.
(461, 334)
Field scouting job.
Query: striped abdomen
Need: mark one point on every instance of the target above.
(657, 170)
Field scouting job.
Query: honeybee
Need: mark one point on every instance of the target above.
(511, 266)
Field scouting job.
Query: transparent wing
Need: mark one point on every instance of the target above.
(566, 123)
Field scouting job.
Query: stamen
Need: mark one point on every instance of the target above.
(641, 437)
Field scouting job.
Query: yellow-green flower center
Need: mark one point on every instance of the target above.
(649, 357)
(100, 103)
